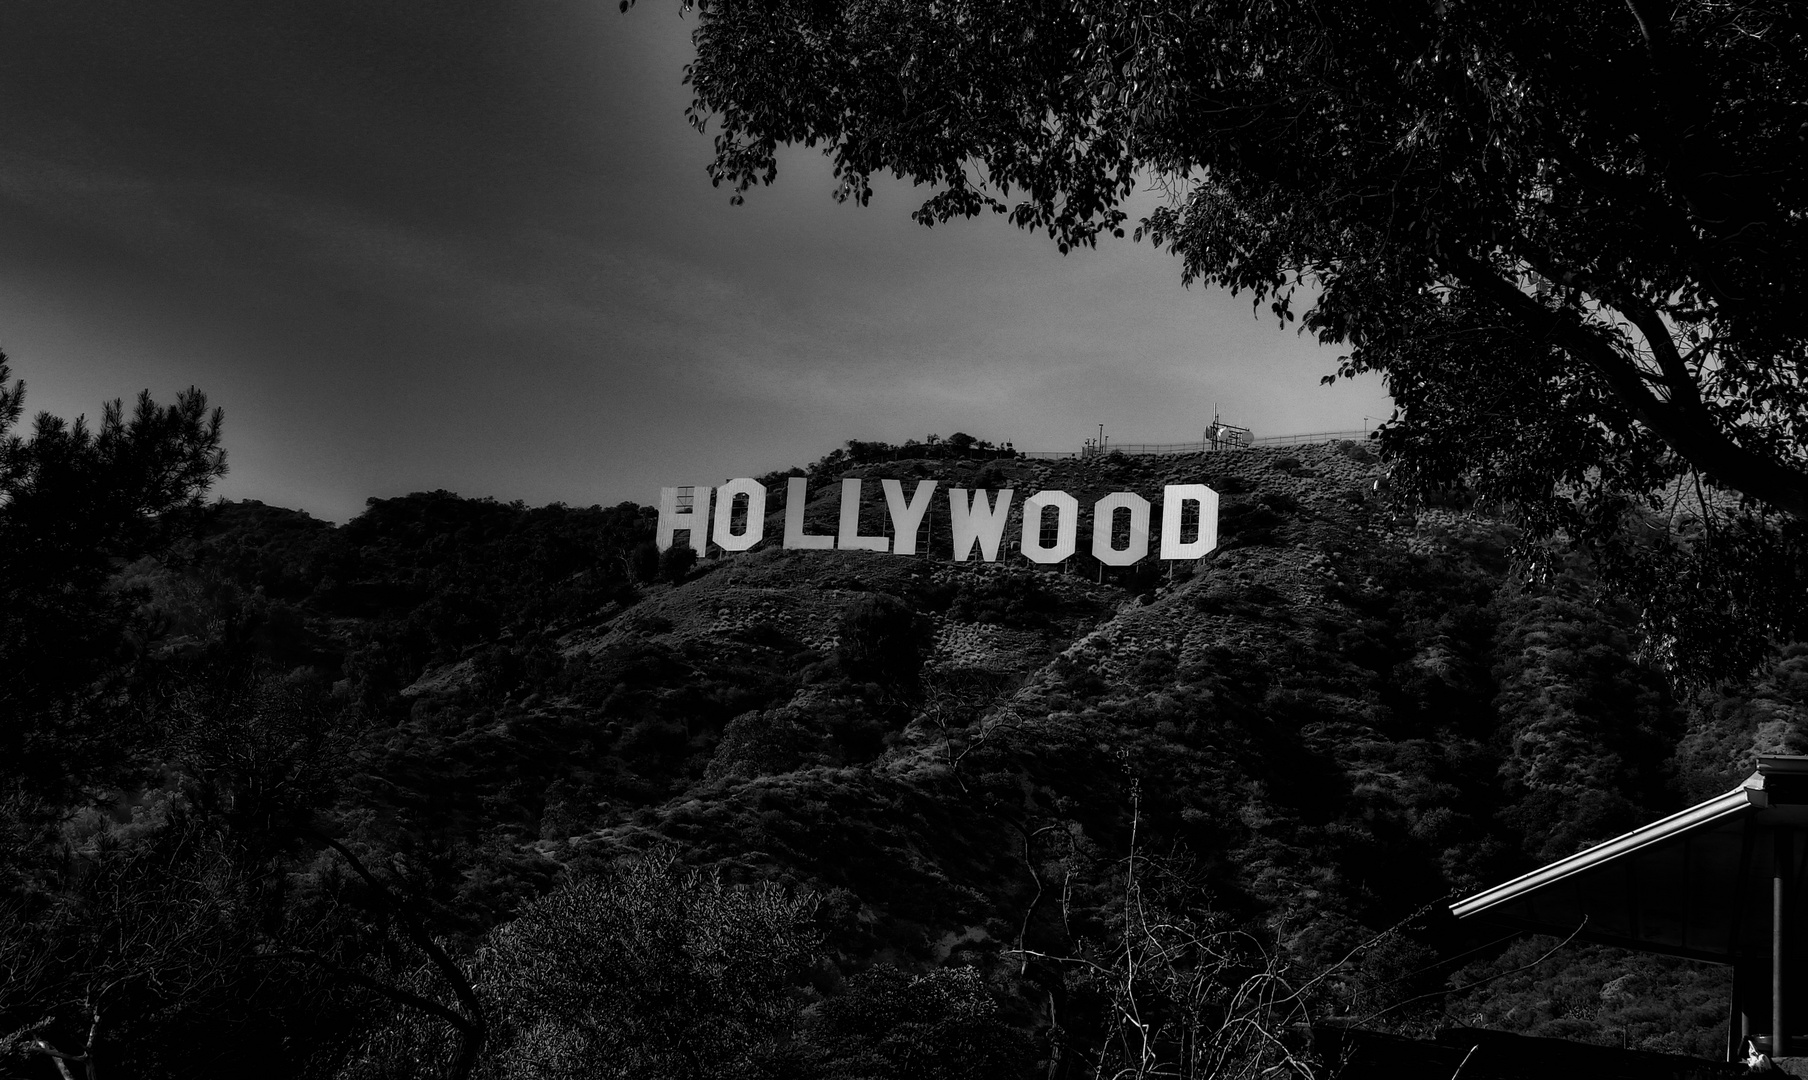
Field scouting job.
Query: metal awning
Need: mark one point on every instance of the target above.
(1695, 884)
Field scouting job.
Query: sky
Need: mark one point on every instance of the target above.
(472, 245)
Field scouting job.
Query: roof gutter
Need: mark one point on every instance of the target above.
(1735, 803)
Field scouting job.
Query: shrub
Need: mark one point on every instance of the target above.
(890, 1025)
(652, 971)
(882, 641)
(1013, 599)
(675, 563)
(643, 562)
(763, 743)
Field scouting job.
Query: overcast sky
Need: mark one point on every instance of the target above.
(471, 246)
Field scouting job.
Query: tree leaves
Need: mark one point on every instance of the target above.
(75, 501)
(1604, 209)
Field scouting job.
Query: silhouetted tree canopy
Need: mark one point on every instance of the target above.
(75, 503)
(1571, 238)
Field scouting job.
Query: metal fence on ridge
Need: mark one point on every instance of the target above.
(1230, 442)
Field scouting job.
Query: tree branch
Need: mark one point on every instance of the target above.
(1683, 422)
(388, 990)
(60, 1058)
(471, 1027)
(1676, 375)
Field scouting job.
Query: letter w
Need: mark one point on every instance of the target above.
(971, 519)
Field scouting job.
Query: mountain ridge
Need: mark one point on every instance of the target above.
(1003, 778)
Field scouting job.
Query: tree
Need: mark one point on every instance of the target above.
(137, 957)
(75, 503)
(940, 1025)
(648, 971)
(1572, 238)
(676, 563)
(882, 639)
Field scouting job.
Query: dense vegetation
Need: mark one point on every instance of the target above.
(470, 787)
(1547, 227)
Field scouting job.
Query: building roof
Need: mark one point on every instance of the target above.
(1679, 886)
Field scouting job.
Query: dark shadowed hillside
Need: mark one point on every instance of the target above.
(841, 814)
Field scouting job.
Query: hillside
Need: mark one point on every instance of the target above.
(1014, 782)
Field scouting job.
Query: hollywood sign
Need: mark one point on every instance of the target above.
(976, 518)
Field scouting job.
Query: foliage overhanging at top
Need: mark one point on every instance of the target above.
(1571, 236)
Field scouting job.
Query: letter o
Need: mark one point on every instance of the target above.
(1067, 526)
(756, 514)
(1103, 513)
